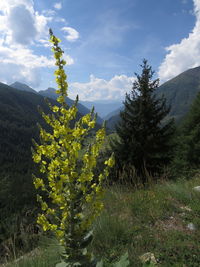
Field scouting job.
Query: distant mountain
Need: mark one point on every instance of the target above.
(102, 107)
(113, 113)
(18, 126)
(50, 92)
(18, 118)
(23, 87)
(18, 123)
(179, 92)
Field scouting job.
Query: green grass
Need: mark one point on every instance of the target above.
(139, 221)
(46, 255)
(151, 220)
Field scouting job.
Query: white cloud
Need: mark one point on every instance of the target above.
(21, 26)
(24, 57)
(49, 12)
(5, 5)
(72, 34)
(100, 89)
(58, 19)
(17, 18)
(58, 5)
(68, 59)
(20, 23)
(185, 54)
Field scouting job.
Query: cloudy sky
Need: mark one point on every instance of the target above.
(104, 42)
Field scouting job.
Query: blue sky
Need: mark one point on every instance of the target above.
(104, 42)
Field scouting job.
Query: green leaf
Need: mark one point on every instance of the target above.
(123, 262)
(148, 265)
(100, 264)
(65, 264)
(87, 240)
(62, 264)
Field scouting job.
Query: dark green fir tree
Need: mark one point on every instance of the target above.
(144, 141)
(187, 153)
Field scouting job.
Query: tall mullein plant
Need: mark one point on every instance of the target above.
(72, 195)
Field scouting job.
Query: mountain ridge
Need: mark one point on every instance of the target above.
(102, 107)
(179, 92)
(22, 87)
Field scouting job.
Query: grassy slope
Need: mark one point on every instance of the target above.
(145, 220)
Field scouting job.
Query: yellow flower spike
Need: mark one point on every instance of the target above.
(67, 169)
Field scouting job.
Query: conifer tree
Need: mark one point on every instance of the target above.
(144, 136)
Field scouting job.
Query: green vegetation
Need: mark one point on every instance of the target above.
(155, 223)
(139, 221)
(144, 139)
(72, 194)
(186, 158)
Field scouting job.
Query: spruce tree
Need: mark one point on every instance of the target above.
(144, 134)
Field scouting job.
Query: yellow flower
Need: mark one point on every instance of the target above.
(110, 162)
(38, 183)
(66, 183)
(91, 124)
(55, 108)
(42, 220)
(59, 233)
(44, 205)
(36, 158)
(86, 119)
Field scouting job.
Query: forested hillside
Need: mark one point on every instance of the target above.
(19, 117)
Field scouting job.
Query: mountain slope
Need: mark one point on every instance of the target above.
(50, 93)
(18, 126)
(18, 119)
(179, 92)
(103, 108)
(18, 123)
(113, 113)
(22, 87)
